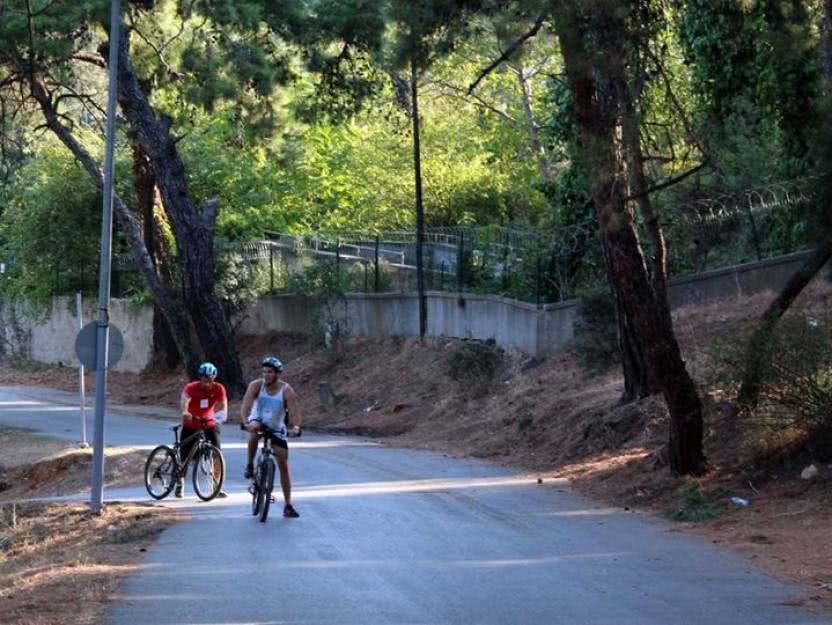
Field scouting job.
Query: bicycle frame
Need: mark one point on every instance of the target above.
(182, 465)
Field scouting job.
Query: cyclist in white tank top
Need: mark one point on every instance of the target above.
(270, 401)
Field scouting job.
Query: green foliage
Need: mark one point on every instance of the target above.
(49, 238)
(796, 378)
(755, 66)
(697, 506)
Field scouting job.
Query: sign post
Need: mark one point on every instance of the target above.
(81, 382)
(103, 322)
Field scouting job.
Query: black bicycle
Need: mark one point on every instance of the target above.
(262, 484)
(165, 466)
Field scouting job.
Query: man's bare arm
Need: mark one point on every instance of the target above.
(293, 405)
(248, 400)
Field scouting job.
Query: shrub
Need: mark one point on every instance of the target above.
(475, 362)
(796, 381)
(696, 506)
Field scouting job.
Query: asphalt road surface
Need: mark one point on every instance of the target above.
(400, 537)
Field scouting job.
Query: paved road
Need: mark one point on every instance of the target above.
(394, 537)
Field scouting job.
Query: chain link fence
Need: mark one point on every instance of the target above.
(530, 266)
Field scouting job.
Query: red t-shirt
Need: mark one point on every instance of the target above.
(202, 404)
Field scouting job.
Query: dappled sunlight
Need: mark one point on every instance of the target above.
(578, 513)
(34, 407)
(392, 487)
(386, 563)
(310, 444)
(412, 486)
(22, 402)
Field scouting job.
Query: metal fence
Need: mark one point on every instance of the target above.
(531, 266)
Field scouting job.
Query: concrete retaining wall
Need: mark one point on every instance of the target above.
(510, 323)
(51, 338)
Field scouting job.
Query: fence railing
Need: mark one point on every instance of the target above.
(525, 265)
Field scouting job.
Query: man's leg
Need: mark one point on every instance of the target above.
(184, 451)
(252, 451)
(285, 480)
(213, 437)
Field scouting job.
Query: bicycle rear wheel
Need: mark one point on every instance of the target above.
(266, 488)
(208, 472)
(160, 472)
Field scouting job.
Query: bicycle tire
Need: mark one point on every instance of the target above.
(255, 490)
(268, 485)
(259, 480)
(205, 461)
(160, 466)
(255, 498)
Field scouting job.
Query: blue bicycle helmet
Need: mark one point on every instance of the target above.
(207, 369)
(273, 362)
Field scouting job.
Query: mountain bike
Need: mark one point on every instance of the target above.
(262, 484)
(165, 466)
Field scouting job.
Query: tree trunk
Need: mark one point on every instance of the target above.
(758, 344)
(532, 126)
(165, 351)
(598, 109)
(171, 310)
(420, 209)
(637, 383)
(193, 227)
(827, 38)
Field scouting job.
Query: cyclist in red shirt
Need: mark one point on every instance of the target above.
(204, 405)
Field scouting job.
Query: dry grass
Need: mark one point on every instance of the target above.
(37, 466)
(59, 564)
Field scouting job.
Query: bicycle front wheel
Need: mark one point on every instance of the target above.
(266, 487)
(256, 499)
(208, 472)
(160, 472)
(258, 485)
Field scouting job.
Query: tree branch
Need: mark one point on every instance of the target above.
(667, 183)
(459, 93)
(93, 58)
(538, 23)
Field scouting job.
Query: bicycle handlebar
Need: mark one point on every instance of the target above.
(266, 429)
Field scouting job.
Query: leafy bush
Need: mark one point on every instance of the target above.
(596, 333)
(696, 506)
(475, 362)
(796, 381)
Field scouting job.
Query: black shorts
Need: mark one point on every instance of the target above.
(212, 436)
(276, 442)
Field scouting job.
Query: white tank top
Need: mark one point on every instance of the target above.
(271, 410)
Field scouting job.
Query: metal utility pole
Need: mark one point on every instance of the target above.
(103, 326)
(420, 209)
(81, 382)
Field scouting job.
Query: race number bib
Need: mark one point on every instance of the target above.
(203, 403)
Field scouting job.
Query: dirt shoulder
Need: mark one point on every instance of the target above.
(60, 564)
(38, 466)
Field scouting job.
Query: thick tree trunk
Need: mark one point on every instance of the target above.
(165, 350)
(193, 227)
(598, 108)
(758, 344)
(637, 381)
(167, 304)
